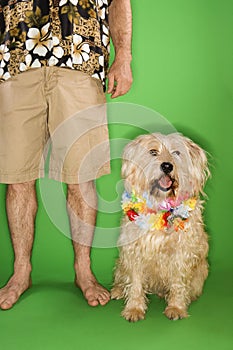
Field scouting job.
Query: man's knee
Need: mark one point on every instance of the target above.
(83, 188)
(22, 187)
(84, 195)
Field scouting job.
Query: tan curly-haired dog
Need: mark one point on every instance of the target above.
(163, 244)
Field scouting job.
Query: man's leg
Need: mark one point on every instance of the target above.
(81, 206)
(21, 206)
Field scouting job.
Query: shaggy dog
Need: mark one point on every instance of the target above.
(163, 245)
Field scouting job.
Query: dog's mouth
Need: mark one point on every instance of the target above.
(164, 183)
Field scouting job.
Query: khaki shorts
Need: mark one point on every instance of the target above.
(57, 110)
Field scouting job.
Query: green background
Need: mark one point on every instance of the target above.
(182, 65)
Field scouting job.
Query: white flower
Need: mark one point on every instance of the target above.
(69, 63)
(102, 75)
(2, 63)
(28, 63)
(143, 221)
(181, 211)
(58, 52)
(25, 65)
(95, 75)
(39, 41)
(3, 75)
(101, 61)
(101, 2)
(79, 50)
(105, 36)
(102, 13)
(4, 55)
(63, 2)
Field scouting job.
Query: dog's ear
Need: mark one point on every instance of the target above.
(200, 171)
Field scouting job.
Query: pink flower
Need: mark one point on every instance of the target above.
(165, 205)
(174, 202)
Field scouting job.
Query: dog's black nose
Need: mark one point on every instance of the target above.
(166, 167)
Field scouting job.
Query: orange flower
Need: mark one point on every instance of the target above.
(179, 224)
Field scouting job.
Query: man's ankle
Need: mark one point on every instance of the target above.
(22, 267)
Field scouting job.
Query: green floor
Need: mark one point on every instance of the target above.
(54, 315)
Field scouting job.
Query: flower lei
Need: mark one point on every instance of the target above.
(170, 212)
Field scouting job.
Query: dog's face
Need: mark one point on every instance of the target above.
(164, 165)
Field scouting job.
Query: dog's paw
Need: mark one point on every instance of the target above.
(133, 315)
(116, 293)
(174, 313)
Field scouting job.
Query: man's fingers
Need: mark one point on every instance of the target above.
(121, 88)
(111, 81)
(117, 92)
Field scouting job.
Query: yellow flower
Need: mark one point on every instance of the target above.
(157, 221)
(126, 207)
(191, 202)
(138, 206)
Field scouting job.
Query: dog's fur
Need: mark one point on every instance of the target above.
(172, 264)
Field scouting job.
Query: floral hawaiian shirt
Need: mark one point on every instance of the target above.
(65, 33)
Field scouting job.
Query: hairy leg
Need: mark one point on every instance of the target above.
(199, 276)
(178, 299)
(117, 291)
(136, 300)
(129, 285)
(21, 207)
(81, 207)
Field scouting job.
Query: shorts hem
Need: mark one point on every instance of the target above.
(71, 179)
(20, 178)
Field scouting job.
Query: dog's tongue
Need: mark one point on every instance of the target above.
(165, 182)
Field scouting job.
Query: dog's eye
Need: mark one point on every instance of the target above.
(176, 153)
(153, 152)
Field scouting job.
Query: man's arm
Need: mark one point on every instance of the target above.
(120, 24)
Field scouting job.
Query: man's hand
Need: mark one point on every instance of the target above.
(120, 77)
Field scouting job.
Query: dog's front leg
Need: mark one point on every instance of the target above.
(136, 300)
(178, 300)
